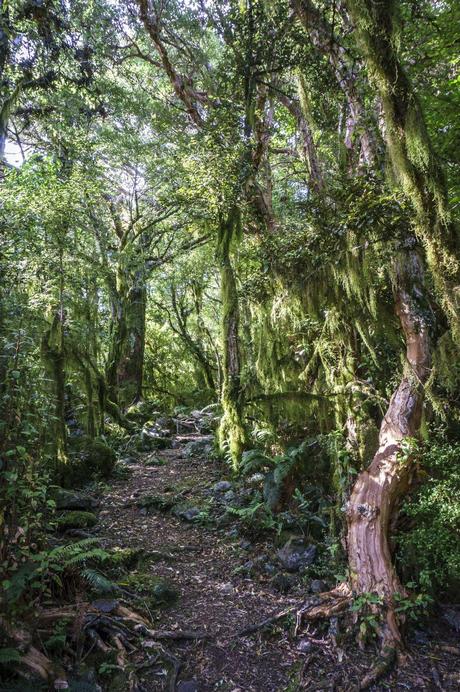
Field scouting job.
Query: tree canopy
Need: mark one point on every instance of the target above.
(236, 219)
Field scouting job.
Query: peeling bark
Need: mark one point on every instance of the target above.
(378, 489)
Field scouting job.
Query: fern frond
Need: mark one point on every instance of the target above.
(98, 582)
(10, 656)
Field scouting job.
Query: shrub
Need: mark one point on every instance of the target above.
(429, 550)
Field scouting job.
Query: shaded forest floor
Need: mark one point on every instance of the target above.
(226, 582)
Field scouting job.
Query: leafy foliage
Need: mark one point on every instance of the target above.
(428, 552)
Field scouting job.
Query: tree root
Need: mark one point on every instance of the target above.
(329, 604)
(325, 605)
(382, 666)
(104, 625)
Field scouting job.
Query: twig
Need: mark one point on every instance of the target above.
(267, 622)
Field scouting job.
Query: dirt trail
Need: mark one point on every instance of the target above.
(201, 561)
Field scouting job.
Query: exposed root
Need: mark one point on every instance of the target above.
(104, 625)
(324, 605)
(33, 663)
(382, 666)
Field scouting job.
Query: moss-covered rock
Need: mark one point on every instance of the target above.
(88, 459)
(76, 520)
(125, 557)
(161, 503)
(155, 461)
(152, 438)
(67, 499)
(153, 590)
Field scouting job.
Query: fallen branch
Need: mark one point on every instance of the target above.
(250, 629)
(172, 634)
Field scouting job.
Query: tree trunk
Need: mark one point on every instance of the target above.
(378, 489)
(52, 349)
(414, 162)
(130, 369)
(231, 431)
(125, 364)
(322, 37)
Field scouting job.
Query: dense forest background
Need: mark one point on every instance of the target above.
(237, 220)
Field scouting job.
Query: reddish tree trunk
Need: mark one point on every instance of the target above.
(375, 496)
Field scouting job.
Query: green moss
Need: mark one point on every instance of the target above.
(125, 557)
(88, 459)
(153, 590)
(76, 520)
(414, 162)
(161, 503)
(232, 433)
(155, 461)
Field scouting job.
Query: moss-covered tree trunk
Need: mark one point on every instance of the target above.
(321, 35)
(125, 363)
(414, 162)
(378, 489)
(52, 348)
(130, 368)
(231, 432)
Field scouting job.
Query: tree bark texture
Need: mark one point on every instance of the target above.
(378, 489)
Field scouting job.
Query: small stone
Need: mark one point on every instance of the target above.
(224, 519)
(233, 533)
(268, 568)
(188, 514)
(282, 583)
(201, 447)
(129, 461)
(304, 646)
(67, 499)
(229, 496)
(105, 605)
(245, 545)
(296, 555)
(421, 637)
(318, 586)
(188, 686)
(256, 478)
(222, 486)
(452, 617)
(150, 644)
(227, 589)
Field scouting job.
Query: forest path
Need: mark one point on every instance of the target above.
(203, 562)
(212, 597)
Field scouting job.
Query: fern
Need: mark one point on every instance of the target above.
(71, 549)
(98, 582)
(96, 555)
(254, 460)
(9, 656)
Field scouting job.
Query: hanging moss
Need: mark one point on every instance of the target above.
(232, 434)
(414, 162)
